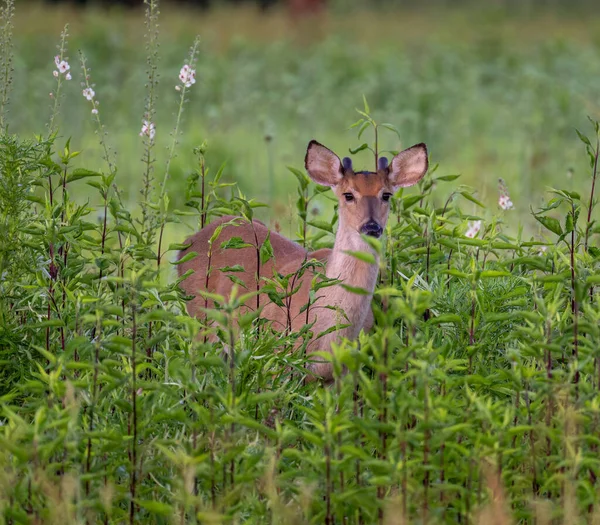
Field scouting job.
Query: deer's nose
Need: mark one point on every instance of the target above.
(372, 229)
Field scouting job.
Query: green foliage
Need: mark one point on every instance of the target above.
(475, 392)
(478, 361)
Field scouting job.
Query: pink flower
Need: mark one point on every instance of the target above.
(187, 75)
(504, 200)
(62, 67)
(473, 229)
(148, 130)
(89, 93)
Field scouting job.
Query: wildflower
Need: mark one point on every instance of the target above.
(148, 130)
(504, 200)
(473, 229)
(187, 75)
(89, 93)
(542, 250)
(178, 88)
(505, 203)
(94, 111)
(62, 67)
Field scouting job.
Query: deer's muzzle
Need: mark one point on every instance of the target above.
(372, 228)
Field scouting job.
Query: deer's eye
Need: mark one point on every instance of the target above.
(349, 197)
(386, 197)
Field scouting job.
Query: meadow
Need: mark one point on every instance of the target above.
(474, 399)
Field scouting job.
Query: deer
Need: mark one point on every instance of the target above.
(363, 209)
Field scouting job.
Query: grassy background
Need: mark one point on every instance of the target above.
(495, 91)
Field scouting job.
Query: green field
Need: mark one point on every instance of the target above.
(475, 398)
(492, 94)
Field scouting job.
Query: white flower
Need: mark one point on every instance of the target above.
(62, 67)
(505, 203)
(55, 73)
(68, 76)
(473, 230)
(504, 200)
(148, 130)
(178, 88)
(187, 75)
(94, 111)
(542, 250)
(89, 93)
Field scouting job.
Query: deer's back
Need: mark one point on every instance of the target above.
(286, 254)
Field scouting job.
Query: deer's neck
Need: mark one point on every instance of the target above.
(353, 272)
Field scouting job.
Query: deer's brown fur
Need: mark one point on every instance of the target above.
(365, 212)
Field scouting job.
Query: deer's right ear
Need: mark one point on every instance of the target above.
(323, 165)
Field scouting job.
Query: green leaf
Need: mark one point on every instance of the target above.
(321, 225)
(234, 268)
(303, 179)
(156, 507)
(391, 127)
(366, 105)
(550, 223)
(445, 318)
(493, 273)
(177, 246)
(235, 279)
(447, 178)
(82, 173)
(362, 256)
(569, 223)
(355, 289)
(363, 128)
(48, 323)
(594, 252)
(357, 123)
(187, 257)
(363, 146)
(583, 138)
(470, 197)
(266, 250)
(235, 243)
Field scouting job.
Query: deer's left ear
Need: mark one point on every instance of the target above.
(409, 166)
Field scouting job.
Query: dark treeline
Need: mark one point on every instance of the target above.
(307, 6)
(202, 4)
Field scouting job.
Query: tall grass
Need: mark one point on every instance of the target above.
(474, 398)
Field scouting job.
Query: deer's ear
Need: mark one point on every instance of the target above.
(409, 166)
(323, 165)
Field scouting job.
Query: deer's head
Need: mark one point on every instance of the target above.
(364, 195)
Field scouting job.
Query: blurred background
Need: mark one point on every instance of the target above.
(496, 88)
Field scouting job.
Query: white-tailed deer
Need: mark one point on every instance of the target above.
(363, 209)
